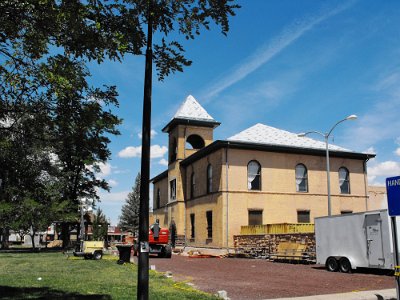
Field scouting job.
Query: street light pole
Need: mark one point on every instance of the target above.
(328, 176)
(143, 260)
(326, 139)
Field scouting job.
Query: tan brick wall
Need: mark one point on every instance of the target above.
(199, 208)
(162, 185)
(278, 172)
(278, 198)
(181, 132)
(377, 197)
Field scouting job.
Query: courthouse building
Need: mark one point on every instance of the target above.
(262, 175)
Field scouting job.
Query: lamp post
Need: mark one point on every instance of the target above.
(143, 256)
(326, 138)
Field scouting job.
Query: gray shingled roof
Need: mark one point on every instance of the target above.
(267, 135)
(191, 109)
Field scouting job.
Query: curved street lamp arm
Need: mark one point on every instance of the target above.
(312, 131)
(333, 127)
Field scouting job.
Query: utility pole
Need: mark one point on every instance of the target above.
(143, 263)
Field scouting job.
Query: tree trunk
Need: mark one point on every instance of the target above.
(33, 239)
(5, 234)
(65, 234)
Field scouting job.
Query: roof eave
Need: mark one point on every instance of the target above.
(272, 148)
(183, 121)
(159, 177)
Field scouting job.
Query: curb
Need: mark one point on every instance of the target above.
(389, 294)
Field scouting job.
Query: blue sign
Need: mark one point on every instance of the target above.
(393, 195)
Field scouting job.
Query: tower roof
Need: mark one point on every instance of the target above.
(191, 112)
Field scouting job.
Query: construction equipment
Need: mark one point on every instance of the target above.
(91, 250)
(158, 242)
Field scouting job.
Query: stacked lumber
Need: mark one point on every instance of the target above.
(298, 246)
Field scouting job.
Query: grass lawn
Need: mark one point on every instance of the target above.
(53, 276)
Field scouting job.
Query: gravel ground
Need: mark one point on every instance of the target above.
(261, 279)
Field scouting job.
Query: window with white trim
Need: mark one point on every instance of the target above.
(301, 178)
(192, 185)
(254, 175)
(172, 190)
(209, 179)
(344, 180)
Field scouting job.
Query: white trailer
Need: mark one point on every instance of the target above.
(357, 240)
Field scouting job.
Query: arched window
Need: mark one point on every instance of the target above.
(344, 180)
(209, 179)
(254, 175)
(158, 200)
(301, 178)
(192, 185)
(172, 151)
(194, 141)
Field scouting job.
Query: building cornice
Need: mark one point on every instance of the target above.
(183, 121)
(219, 144)
(159, 177)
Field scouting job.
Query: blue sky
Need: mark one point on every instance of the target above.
(295, 65)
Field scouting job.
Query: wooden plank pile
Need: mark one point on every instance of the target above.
(294, 246)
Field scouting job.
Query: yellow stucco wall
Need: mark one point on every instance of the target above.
(230, 200)
(278, 198)
(377, 197)
(173, 209)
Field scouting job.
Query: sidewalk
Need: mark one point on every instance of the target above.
(389, 294)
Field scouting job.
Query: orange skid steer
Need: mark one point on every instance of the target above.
(158, 242)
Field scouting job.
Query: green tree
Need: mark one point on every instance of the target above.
(129, 219)
(99, 29)
(44, 46)
(100, 226)
(64, 139)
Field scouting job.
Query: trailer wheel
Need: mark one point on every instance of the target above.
(344, 265)
(97, 255)
(332, 264)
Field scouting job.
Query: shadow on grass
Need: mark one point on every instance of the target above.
(7, 292)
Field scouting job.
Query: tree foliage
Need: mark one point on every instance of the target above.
(99, 29)
(51, 146)
(100, 226)
(54, 126)
(129, 219)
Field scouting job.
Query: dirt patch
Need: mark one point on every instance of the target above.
(261, 279)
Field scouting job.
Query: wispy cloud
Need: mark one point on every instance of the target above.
(112, 182)
(163, 162)
(381, 121)
(156, 151)
(113, 197)
(378, 172)
(266, 52)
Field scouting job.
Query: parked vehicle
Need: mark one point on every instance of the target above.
(91, 250)
(350, 241)
(158, 242)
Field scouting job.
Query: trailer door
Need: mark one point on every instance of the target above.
(373, 226)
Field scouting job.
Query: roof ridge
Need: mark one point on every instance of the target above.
(192, 109)
(268, 135)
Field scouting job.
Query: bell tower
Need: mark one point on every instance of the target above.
(190, 130)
